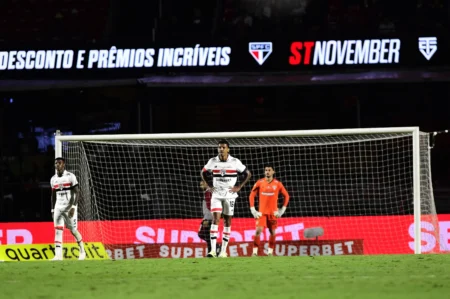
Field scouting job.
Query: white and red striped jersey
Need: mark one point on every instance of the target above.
(224, 173)
(63, 186)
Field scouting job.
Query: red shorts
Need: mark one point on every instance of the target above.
(267, 220)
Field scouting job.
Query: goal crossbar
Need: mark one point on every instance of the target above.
(249, 134)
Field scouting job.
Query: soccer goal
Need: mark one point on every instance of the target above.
(368, 185)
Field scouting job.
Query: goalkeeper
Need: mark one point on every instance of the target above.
(267, 190)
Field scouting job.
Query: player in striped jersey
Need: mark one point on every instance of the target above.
(225, 171)
(267, 190)
(65, 194)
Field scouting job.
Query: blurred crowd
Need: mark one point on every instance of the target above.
(234, 19)
(91, 21)
(335, 17)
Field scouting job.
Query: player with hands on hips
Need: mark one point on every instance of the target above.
(228, 175)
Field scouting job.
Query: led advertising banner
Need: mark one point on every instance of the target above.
(265, 56)
(135, 234)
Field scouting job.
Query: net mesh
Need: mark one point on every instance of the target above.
(354, 186)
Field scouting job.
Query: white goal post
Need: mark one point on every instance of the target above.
(349, 181)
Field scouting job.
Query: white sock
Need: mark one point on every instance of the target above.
(58, 242)
(255, 250)
(213, 236)
(79, 239)
(81, 246)
(269, 250)
(225, 238)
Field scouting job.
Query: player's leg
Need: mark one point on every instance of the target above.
(216, 209)
(213, 231)
(72, 225)
(260, 224)
(228, 212)
(58, 222)
(272, 226)
(204, 232)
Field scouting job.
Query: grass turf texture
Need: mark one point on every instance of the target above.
(384, 276)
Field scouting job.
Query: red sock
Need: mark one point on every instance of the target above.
(271, 241)
(256, 241)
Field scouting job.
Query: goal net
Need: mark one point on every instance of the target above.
(371, 187)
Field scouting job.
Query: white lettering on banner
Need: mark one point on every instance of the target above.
(294, 229)
(120, 58)
(49, 59)
(239, 249)
(16, 236)
(128, 253)
(196, 56)
(302, 250)
(373, 51)
(429, 239)
(146, 234)
(183, 252)
(115, 58)
(80, 59)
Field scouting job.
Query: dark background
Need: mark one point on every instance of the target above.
(30, 113)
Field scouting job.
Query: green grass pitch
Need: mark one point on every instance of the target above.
(382, 276)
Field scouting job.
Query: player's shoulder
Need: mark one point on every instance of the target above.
(261, 181)
(235, 160)
(279, 183)
(214, 159)
(69, 174)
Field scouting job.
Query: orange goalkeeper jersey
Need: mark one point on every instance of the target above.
(268, 195)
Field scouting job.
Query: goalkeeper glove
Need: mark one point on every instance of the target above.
(255, 213)
(280, 212)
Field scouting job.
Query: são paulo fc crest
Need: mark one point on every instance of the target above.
(223, 172)
(260, 51)
(61, 186)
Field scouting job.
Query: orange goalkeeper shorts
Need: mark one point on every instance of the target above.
(267, 220)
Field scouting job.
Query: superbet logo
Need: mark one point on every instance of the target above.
(332, 52)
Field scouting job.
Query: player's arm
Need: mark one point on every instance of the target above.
(286, 197)
(75, 195)
(53, 199)
(206, 177)
(244, 177)
(206, 174)
(251, 200)
(73, 200)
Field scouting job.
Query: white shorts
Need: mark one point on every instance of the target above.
(223, 205)
(60, 218)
